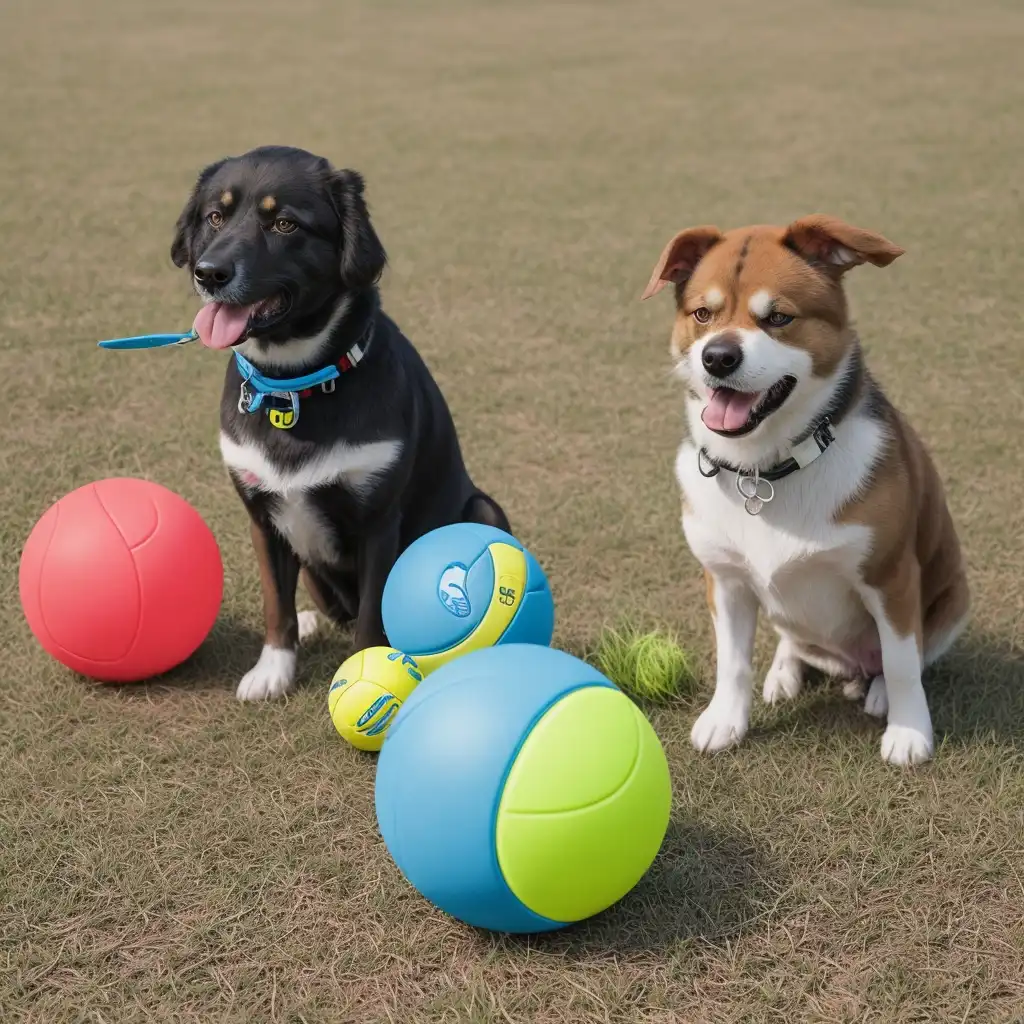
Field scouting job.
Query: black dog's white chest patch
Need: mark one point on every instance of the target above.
(355, 467)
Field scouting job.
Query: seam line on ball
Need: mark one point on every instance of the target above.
(627, 778)
(444, 650)
(500, 789)
(38, 584)
(482, 635)
(152, 533)
(135, 574)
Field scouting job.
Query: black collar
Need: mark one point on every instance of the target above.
(804, 454)
(812, 442)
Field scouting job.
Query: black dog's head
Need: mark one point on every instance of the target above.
(274, 239)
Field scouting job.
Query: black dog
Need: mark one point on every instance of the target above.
(336, 436)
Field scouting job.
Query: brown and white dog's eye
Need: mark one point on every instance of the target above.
(778, 319)
(215, 218)
(283, 226)
(701, 314)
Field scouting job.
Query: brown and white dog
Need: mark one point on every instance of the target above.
(805, 493)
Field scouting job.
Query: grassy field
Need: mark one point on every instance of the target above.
(169, 854)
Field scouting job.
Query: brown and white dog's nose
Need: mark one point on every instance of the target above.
(722, 356)
(214, 274)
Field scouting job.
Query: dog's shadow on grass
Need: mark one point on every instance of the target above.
(705, 884)
(975, 692)
(231, 649)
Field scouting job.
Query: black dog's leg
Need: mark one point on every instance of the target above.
(377, 555)
(274, 674)
(482, 508)
(334, 600)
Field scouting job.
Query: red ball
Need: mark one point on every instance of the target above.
(121, 580)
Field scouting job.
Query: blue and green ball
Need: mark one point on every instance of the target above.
(519, 790)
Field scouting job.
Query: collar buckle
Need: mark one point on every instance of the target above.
(248, 399)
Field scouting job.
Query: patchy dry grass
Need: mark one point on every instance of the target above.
(168, 854)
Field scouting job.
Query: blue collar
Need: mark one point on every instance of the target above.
(257, 386)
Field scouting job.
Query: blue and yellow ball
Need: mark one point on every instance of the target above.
(464, 587)
(519, 790)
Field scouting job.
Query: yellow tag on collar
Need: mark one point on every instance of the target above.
(283, 419)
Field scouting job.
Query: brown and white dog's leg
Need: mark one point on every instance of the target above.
(896, 608)
(786, 675)
(943, 624)
(734, 610)
(274, 674)
(876, 698)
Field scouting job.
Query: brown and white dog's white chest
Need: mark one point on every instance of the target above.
(800, 562)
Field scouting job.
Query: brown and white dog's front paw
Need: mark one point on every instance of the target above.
(781, 684)
(785, 677)
(903, 744)
(271, 677)
(874, 695)
(876, 700)
(722, 724)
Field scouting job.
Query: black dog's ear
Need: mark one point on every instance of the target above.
(186, 225)
(362, 256)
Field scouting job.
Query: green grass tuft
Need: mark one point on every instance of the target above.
(649, 665)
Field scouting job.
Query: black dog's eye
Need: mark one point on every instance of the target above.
(215, 218)
(284, 226)
(701, 314)
(778, 319)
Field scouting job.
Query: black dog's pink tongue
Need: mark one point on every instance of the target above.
(220, 325)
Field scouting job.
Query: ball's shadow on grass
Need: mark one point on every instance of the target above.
(705, 884)
(231, 649)
(975, 692)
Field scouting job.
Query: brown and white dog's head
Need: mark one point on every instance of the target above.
(762, 335)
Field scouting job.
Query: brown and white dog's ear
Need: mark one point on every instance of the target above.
(681, 257)
(837, 246)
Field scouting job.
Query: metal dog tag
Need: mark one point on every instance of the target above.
(756, 493)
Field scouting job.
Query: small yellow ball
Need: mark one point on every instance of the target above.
(367, 691)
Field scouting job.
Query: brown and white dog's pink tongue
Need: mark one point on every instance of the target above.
(729, 410)
(220, 325)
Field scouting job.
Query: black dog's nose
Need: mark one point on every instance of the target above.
(722, 356)
(212, 274)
